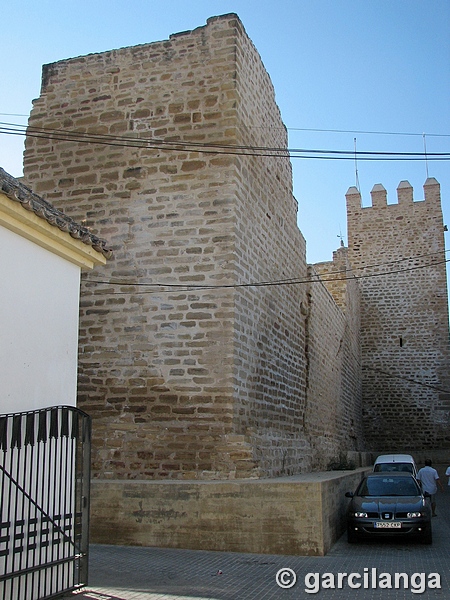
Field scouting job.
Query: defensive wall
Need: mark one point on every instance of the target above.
(397, 251)
(212, 358)
(190, 368)
(333, 389)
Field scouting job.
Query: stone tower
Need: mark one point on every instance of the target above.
(397, 252)
(206, 349)
(179, 356)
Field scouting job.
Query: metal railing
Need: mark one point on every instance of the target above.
(44, 502)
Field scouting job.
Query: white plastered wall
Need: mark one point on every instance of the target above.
(39, 302)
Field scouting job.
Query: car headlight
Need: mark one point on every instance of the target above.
(413, 515)
(359, 515)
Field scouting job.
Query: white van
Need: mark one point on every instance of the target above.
(395, 463)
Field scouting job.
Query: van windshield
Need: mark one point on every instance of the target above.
(393, 468)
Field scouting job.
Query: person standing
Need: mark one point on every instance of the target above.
(447, 473)
(429, 478)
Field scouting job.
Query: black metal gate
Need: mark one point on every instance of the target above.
(44, 496)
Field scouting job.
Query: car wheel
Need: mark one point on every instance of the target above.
(427, 536)
(352, 537)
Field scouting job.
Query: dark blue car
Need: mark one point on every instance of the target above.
(389, 504)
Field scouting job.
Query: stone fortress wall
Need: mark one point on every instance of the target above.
(398, 252)
(188, 370)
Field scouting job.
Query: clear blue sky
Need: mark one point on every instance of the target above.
(349, 65)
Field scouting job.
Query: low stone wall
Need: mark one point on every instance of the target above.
(303, 514)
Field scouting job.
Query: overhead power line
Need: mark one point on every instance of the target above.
(281, 282)
(310, 129)
(213, 148)
(13, 115)
(361, 131)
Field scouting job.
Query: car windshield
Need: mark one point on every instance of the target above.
(393, 467)
(388, 486)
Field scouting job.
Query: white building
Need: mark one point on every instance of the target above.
(42, 253)
(44, 458)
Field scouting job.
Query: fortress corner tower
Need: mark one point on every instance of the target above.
(397, 251)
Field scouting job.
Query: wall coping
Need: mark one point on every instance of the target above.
(315, 477)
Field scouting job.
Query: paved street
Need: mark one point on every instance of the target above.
(131, 573)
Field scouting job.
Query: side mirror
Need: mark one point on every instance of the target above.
(349, 494)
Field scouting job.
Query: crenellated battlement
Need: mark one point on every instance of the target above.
(405, 196)
(398, 252)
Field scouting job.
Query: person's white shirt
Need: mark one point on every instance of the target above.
(428, 476)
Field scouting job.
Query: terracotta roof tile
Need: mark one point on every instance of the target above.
(18, 192)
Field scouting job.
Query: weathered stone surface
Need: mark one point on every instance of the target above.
(290, 515)
(182, 358)
(177, 216)
(398, 252)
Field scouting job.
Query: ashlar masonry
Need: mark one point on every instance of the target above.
(189, 367)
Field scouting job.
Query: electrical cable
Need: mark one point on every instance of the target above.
(356, 131)
(408, 379)
(180, 287)
(310, 129)
(208, 148)
(212, 148)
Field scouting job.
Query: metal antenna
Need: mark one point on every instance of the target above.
(356, 169)
(425, 150)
